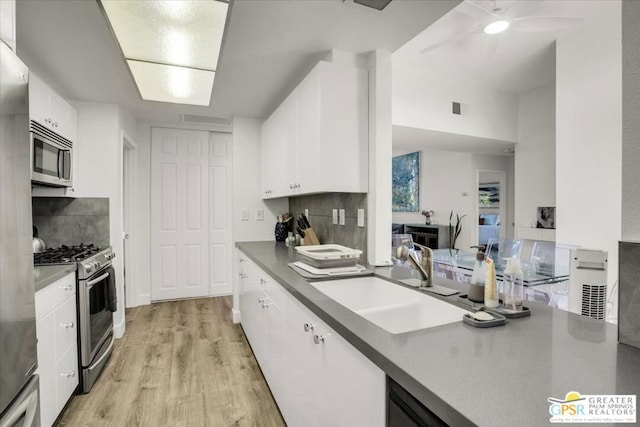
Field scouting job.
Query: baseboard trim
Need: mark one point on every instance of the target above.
(144, 299)
(237, 317)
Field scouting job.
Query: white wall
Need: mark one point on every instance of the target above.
(98, 173)
(423, 100)
(445, 178)
(247, 187)
(589, 136)
(535, 156)
(141, 233)
(631, 121)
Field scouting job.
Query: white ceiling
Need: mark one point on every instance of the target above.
(513, 61)
(269, 46)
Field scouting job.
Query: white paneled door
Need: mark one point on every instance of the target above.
(190, 230)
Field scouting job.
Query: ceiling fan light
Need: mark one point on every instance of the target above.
(496, 27)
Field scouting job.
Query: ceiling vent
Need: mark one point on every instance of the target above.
(374, 4)
(193, 118)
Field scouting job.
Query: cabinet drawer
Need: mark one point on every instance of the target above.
(55, 294)
(66, 378)
(45, 332)
(65, 326)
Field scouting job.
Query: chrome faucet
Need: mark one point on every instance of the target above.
(425, 268)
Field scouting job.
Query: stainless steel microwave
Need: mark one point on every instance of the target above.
(51, 157)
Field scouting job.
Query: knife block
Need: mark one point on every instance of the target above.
(310, 238)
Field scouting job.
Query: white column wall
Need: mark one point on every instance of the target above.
(380, 146)
(589, 137)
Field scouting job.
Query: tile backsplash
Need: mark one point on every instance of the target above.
(66, 221)
(321, 207)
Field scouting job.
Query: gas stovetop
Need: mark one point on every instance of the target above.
(65, 254)
(90, 258)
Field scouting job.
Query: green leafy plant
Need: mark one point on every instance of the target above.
(454, 230)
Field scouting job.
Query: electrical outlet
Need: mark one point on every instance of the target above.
(259, 214)
(244, 214)
(341, 216)
(335, 217)
(360, 217)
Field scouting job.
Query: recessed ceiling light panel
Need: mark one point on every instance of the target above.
(171, 44)
(187, 33)
(167, 83)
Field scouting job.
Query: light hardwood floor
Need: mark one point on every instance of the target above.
(180, 363)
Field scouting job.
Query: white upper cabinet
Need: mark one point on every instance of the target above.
(51, 110)
(8, 23)
(317, 139)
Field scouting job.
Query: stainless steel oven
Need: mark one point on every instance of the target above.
(51, 157)
(95, 316)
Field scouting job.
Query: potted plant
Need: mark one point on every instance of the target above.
(454, 231)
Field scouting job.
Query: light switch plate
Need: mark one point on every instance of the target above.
(360, 217)
(335, 217)
(244, 214)
(259, 214)
(306, 213)
(341, 216)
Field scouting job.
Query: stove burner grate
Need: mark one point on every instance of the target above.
(65, 254)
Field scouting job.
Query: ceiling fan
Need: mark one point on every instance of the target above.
(493, 17)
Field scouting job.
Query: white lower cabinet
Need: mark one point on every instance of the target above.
(57, 346)
(316, 377)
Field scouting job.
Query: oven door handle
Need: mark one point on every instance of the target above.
(90, 283)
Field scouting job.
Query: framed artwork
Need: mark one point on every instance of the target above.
(406, 182)
(546, 217)
(489, 195)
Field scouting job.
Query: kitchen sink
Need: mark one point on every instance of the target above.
(392, 307)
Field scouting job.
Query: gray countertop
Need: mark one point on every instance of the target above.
(47, 274)
(499, 376)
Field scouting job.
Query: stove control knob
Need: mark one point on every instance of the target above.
(98, 264)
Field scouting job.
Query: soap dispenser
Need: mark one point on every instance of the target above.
(490, 285)
(513, 288)
(476, 287)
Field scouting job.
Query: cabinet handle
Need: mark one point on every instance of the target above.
(243, 260)
(263, 282)
(309, 326)
(317, 339)
(66, 287)
(69, 374)
(55, 124)
(66, 325)
(266, 304)
(291, 186)
(296, 185)
(242, 275)
(262, 300)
